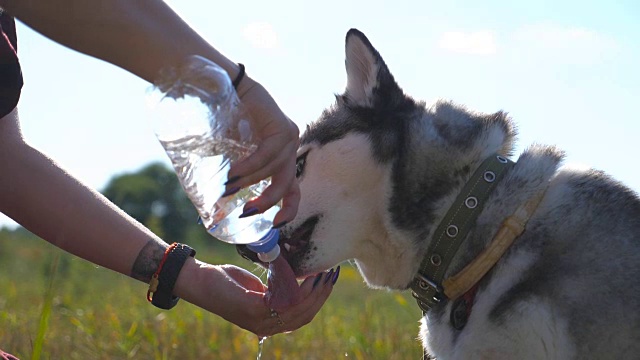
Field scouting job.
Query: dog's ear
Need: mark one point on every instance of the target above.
(368, 77)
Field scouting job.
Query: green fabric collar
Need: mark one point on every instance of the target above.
(453, 229)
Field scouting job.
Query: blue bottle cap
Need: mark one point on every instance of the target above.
(266, 243)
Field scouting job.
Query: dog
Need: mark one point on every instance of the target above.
(385, 181)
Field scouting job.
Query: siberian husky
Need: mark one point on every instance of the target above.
(509, 259)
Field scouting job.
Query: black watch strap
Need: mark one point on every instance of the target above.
(163, 297)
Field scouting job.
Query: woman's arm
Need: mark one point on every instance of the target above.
(145, 36)
(44, 198)
(41, 196)
(141, 36)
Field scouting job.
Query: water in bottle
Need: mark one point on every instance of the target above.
(203, 128)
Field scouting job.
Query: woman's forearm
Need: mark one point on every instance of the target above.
(141, 36)
(41, 196)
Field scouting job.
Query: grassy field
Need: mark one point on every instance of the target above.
(56, 306)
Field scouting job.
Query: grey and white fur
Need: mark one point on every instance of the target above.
(379, 170)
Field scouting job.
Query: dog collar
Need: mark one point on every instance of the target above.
(428, 287)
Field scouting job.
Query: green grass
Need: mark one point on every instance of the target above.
(47, 306)
(56, 306)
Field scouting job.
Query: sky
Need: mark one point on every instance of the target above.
(566, 72)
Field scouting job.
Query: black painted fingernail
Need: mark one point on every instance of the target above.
(230, 192)
(280, 224)
(328, 276)
(232, 179)
(199, 220)
(335, 276)
(249, 212)
(317, 280)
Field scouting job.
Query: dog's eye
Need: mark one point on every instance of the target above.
(300, 163)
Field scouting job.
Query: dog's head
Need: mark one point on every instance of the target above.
(375, 169)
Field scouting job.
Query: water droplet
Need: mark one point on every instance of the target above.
(260, 344)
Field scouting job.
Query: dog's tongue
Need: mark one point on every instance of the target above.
(283, 290)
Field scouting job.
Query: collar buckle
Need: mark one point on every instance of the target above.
(426, 292)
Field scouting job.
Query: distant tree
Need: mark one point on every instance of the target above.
(154, 197)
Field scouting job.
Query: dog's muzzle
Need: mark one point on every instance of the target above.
(244, 251)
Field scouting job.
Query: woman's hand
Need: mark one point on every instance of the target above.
(238, 296)
(5, 356)
(264, 321)
(275, 156)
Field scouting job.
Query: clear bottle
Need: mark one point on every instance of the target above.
(204, 128)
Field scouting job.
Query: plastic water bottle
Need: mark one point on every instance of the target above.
(204, 128)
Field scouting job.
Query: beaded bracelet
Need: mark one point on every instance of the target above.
(160, 292)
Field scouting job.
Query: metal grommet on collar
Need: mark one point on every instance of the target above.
(489, 176)
(471, 202)
(428, 284)
(452, 231)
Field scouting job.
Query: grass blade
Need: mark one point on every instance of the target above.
(46, 311)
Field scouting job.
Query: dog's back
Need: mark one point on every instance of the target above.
(588, 247)
(565, 288)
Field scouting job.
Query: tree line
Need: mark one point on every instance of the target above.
(154, 197)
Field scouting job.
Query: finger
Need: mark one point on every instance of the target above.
(6, 356)
(318, 297)
(259, 165)
(266, 165)
(316, 291)
(282, 178)
(312, 282)
(266, 323)
(291, 316)
(244, 278)
(289, 208)
(272, 195)
(281, 143)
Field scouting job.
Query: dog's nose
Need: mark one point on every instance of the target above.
(246, 253)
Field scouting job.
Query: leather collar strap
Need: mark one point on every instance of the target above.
(453, 229)
(512, 227)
